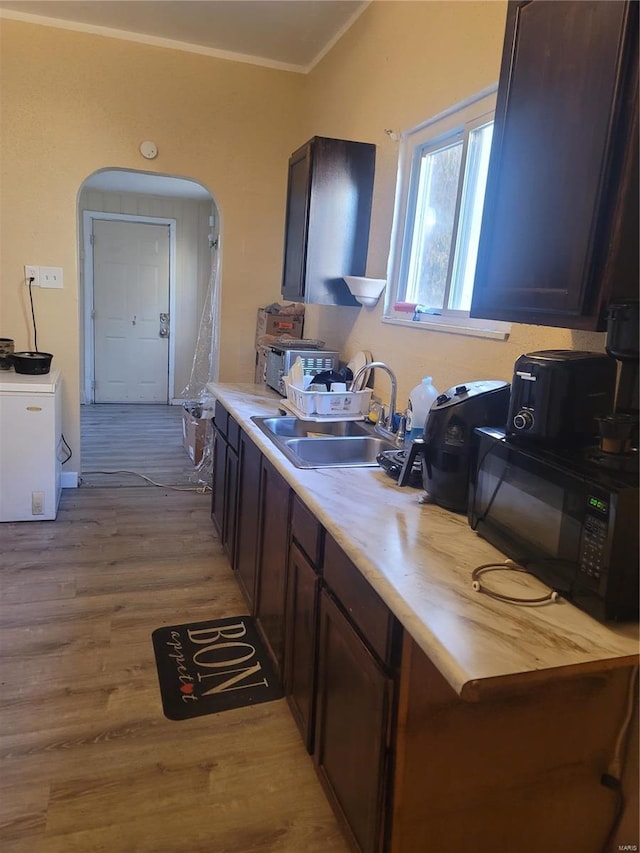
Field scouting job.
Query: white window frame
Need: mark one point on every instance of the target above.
(457, 120)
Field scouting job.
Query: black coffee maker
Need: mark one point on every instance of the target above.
(446, 445)
(619, 430)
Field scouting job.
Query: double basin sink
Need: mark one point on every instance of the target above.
(311, 444)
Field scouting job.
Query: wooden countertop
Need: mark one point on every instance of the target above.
(419, 559)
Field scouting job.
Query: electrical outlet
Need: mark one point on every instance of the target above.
(37, 503)
(50, 276)
(32, 272)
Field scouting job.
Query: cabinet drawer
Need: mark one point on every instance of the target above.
(365, 607)
(233, 433)
(306, 531)
(221, 419)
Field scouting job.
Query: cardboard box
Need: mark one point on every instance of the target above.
(279, 324)
(196, 433)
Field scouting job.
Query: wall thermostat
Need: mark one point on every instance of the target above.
(149, 150)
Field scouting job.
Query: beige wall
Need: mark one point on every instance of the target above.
(400, 64)
(72, 104)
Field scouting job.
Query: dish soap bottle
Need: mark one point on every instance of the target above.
(421, 399)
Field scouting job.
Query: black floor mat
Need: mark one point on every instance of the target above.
(214, 666)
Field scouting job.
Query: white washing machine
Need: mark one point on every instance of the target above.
(30, 445)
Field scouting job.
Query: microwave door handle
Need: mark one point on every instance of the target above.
(416, 449)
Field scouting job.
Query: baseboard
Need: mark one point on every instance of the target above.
(69, 479)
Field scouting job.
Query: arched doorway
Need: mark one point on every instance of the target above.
(142, 238)
(146, 260)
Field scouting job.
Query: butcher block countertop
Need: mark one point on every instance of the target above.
(419, 559)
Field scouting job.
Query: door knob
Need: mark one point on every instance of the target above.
(164, 326)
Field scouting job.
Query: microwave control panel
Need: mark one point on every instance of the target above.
(594, 537)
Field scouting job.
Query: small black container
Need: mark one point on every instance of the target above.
(32, 363)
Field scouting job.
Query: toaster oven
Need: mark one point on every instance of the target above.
(281, 359)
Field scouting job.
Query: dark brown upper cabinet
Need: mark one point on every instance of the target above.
(329, 195)
(559, 236)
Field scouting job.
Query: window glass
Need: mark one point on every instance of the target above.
(442, 178)
(470, 218)
(433, 226)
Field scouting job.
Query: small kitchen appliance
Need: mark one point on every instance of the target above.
(619, 431)
(571, 523)
(445, 447)
(392, 462)
(556, 395)
(280, 359)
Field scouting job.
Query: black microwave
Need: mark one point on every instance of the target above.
(569, 517)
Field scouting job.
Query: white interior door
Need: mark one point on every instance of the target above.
(131, 292)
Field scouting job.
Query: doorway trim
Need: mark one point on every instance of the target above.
(89, 340)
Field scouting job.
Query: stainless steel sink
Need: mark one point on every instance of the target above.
(308, 444)
(291, 427)
(338, 452)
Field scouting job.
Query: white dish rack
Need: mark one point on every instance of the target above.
(338, 405)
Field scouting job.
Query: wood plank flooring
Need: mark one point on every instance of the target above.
(88, 762)
(144, 440)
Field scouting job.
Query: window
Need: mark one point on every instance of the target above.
(442, 179)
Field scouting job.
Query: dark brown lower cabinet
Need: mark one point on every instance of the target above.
(384, 726)
(224, 496)
(224, 492)
(217, 486)
(303, 590)
(353, 728)
(273, 550)
(246, 550)
(228, 534)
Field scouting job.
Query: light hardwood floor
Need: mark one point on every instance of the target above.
(88, 761)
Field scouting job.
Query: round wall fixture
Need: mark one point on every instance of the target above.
(149, 150)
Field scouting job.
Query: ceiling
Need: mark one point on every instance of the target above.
(288, 34)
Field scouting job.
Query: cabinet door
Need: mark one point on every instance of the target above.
(275, 500)
(561, 126)
(303, 585)
(248, 518)
(217, 487)
(230, 504)
(329, 197)
(295, 238)
(352, 728)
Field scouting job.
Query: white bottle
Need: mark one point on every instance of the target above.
(420, 401)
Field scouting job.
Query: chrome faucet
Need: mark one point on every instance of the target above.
(385, 428)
